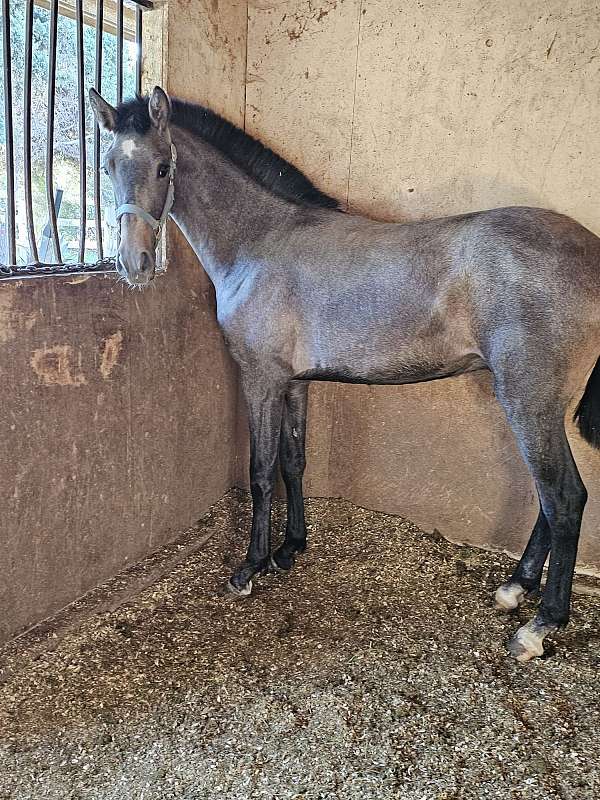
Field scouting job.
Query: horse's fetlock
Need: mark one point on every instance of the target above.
(551, 615)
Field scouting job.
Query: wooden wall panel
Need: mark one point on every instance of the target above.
(119, 408)
(207, 53)
(300, 83)
(474, 106)
(117, 431)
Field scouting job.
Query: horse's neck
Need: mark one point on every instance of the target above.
(217, 207)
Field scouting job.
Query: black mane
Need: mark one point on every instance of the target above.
(258, 161)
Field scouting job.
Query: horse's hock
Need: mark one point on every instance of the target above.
(123, 422)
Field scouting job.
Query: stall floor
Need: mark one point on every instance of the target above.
(375, 669)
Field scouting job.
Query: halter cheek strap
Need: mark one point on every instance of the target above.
(130, 208)
(156, 224)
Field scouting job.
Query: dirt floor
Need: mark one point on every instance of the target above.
(376, 669)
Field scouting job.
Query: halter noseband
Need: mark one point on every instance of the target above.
(156, 224)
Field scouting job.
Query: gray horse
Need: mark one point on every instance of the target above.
(306, 292)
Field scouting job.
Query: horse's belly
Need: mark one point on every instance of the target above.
(396, 371)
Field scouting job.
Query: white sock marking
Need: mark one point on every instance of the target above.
(510, 595)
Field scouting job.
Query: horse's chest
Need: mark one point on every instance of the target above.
(258, 333)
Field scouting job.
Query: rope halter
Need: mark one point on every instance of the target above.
(156, 224)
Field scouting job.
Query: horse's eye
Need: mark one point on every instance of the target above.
(163, 170)
(104, 170)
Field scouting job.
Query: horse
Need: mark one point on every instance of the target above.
(307, 291)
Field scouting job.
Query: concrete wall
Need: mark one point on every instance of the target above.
(118, 409)
(419, 109)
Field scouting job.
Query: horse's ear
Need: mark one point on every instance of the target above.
(159, 108)
(105, 114)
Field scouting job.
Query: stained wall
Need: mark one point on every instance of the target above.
(118, 408)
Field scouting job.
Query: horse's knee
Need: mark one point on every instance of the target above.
(261, 488)
(292, 478)
(292, 467)
(579, 497)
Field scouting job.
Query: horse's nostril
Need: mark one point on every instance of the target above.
(145, 262)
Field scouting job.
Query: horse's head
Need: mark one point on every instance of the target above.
(141, 164)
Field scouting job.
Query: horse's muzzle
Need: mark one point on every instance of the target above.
(137, 271)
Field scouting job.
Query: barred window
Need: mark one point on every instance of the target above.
(56, 206)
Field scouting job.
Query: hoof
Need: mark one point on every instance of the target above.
(276, 568)
(527, 643)
(243, 592)
(509, 596)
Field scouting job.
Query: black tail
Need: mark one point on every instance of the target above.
(587, 413)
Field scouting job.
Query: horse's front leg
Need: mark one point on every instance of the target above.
(292, 463)
(265, 407)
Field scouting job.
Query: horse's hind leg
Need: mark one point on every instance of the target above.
(527, 576)
(538, 424)
(292, 463)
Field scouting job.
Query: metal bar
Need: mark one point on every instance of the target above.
(50, 130)
(82, 144)
(47, 232)
(138, 49)
(98, 86)
(33, 250)
(119, 51)
(9, 133)
(42, 270)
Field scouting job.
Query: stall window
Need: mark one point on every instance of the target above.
(56, 206)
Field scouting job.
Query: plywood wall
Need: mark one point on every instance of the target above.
(418, 109)
(118, 409)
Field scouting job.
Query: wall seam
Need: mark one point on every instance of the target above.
(360, 8)
(246, 62)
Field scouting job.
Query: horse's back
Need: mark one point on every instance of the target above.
(344, 249)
